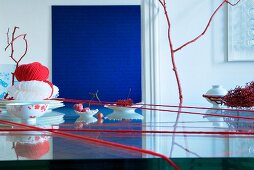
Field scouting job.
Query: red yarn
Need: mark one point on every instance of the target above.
(32, 151)
(51, 86)
(32, 71)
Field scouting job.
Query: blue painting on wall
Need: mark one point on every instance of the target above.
(97, 48)
(6, 71)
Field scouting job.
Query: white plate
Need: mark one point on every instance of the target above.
(6, 102)
(122, 109)
(49, 118)
(53, 104)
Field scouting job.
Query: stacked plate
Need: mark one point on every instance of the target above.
(52, 104)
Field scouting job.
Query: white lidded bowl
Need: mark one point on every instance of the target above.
(27, 112)
(217, 90)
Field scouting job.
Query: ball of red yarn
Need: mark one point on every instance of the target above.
(32, 151)
(32, 71)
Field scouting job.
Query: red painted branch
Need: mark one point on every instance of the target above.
(205, 30)
(232, 4)
(180, 95)
(208, 24)
(173, 51)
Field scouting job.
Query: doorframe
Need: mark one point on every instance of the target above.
(150, 68)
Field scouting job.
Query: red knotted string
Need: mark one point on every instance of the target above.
(98, 141)
(51, 86)
(163, 110)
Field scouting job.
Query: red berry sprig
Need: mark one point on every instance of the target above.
(127, 102)
(79, 107)
(240, 97)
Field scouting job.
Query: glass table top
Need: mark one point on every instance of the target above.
(198, 133)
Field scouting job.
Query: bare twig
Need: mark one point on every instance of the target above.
(94, 95)
(23, 55)
(187, 150)
(8, 39)
(129, 93)
(21, 35)
(11, 45)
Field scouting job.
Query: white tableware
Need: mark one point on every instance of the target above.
(5, 102)
(88, 113)
(214, 95)
(86, 119)
(27, 112)
(55, 106)
(217, 90)
(121, 113)
(52, 104)
(87, 116)
(48, 120)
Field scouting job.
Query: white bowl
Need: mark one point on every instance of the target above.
(88, 113)
(217, 90)
(27, 112)
(215, 94)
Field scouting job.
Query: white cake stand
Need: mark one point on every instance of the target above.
(87, 117)
(122, 113)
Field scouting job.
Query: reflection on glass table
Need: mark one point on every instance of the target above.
(218, 136)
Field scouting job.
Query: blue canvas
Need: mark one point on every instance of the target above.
(6, 71)
(97, 48)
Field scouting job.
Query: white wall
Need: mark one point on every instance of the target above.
(203, 63)
(200, 65)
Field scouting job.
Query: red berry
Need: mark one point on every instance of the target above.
(100, 121)
(78, 125)
(100, 115)
(127, 102)
(78, 107)
(87, 109)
